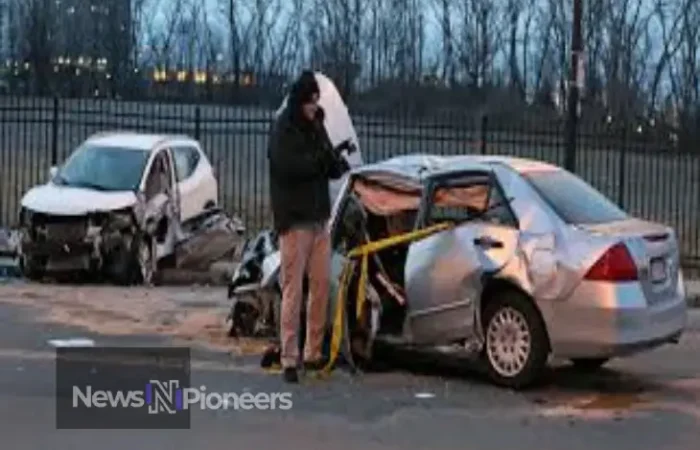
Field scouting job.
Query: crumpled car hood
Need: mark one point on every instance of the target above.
(72, 201)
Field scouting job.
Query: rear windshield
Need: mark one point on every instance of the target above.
(574, 200)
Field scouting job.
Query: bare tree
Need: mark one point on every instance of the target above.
(443, 10)
(162, 39)
(140, 11)
(479, 41)
(334, 43)
(684, 75)
(670, 22)
(625, 24)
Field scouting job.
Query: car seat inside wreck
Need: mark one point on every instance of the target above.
(373, 211)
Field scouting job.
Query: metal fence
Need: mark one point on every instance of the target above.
(637, 165)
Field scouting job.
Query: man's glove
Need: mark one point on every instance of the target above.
(346, 145)
(337, 166)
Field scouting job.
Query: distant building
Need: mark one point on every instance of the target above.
(94, 33)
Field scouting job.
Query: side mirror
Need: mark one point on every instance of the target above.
(53, 171)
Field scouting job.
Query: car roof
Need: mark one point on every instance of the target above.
(135, 141)
(419, 166)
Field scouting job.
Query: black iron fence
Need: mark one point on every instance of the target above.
(639, 165)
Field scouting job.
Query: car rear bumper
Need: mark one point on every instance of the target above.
(604, 320)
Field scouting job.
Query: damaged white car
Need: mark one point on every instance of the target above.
(528, 261)
(118, 205)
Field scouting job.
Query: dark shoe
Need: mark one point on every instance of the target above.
(270, 358)
(315, 366)
(290, 375)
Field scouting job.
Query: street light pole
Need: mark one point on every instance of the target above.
(575, 82)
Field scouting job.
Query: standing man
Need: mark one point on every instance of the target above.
(302, 162)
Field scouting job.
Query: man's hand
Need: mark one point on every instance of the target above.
(346, 145)
(337, 165)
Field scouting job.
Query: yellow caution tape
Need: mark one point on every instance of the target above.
(363, 252)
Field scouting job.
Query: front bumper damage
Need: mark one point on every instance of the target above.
(67, 243)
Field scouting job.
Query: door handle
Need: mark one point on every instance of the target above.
(487, 242)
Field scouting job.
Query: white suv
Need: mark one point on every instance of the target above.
(116, 206)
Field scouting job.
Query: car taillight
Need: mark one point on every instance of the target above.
(616, 264)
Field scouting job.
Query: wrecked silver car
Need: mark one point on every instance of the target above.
(506, 259)
(118, 207)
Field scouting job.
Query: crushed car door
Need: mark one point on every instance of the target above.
(162, 206)
(444, 272)
(191, 181)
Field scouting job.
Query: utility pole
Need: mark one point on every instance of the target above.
(575, 83)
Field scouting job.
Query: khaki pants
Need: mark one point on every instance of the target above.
(304, 250)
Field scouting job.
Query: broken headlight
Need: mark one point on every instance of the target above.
(120, 219)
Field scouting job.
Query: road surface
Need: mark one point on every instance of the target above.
(649, 402)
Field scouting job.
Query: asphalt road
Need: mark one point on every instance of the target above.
(651, 401)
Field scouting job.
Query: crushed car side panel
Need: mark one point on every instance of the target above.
(443, 285)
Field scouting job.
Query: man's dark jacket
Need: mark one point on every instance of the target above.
(302, 162)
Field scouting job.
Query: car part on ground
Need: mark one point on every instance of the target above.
(253, 291)
(9, 252)
(212, 236)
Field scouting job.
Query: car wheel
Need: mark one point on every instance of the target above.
(144, 254)
(516, 344)
(589, 364)
(132, 262)
(31, 267)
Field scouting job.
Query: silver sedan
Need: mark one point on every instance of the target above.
(535, 263)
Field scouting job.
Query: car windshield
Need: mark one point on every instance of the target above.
(574, 200)
(103, 168)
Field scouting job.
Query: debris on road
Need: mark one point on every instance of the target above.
(213, 237)
(117, 311)
(9, 243)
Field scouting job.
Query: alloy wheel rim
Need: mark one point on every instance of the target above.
(508, 342)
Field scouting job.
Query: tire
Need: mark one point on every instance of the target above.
(505, 367)
(130, 264)
(589, 365)
(31, 268)
(144, 253)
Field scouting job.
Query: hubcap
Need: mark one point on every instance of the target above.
(508, 342)
(145, 262)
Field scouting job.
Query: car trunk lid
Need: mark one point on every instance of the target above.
(654, 249)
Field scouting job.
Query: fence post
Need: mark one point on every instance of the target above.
(54, 133)
(621, 168)
(484, 133)
(197, 121)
